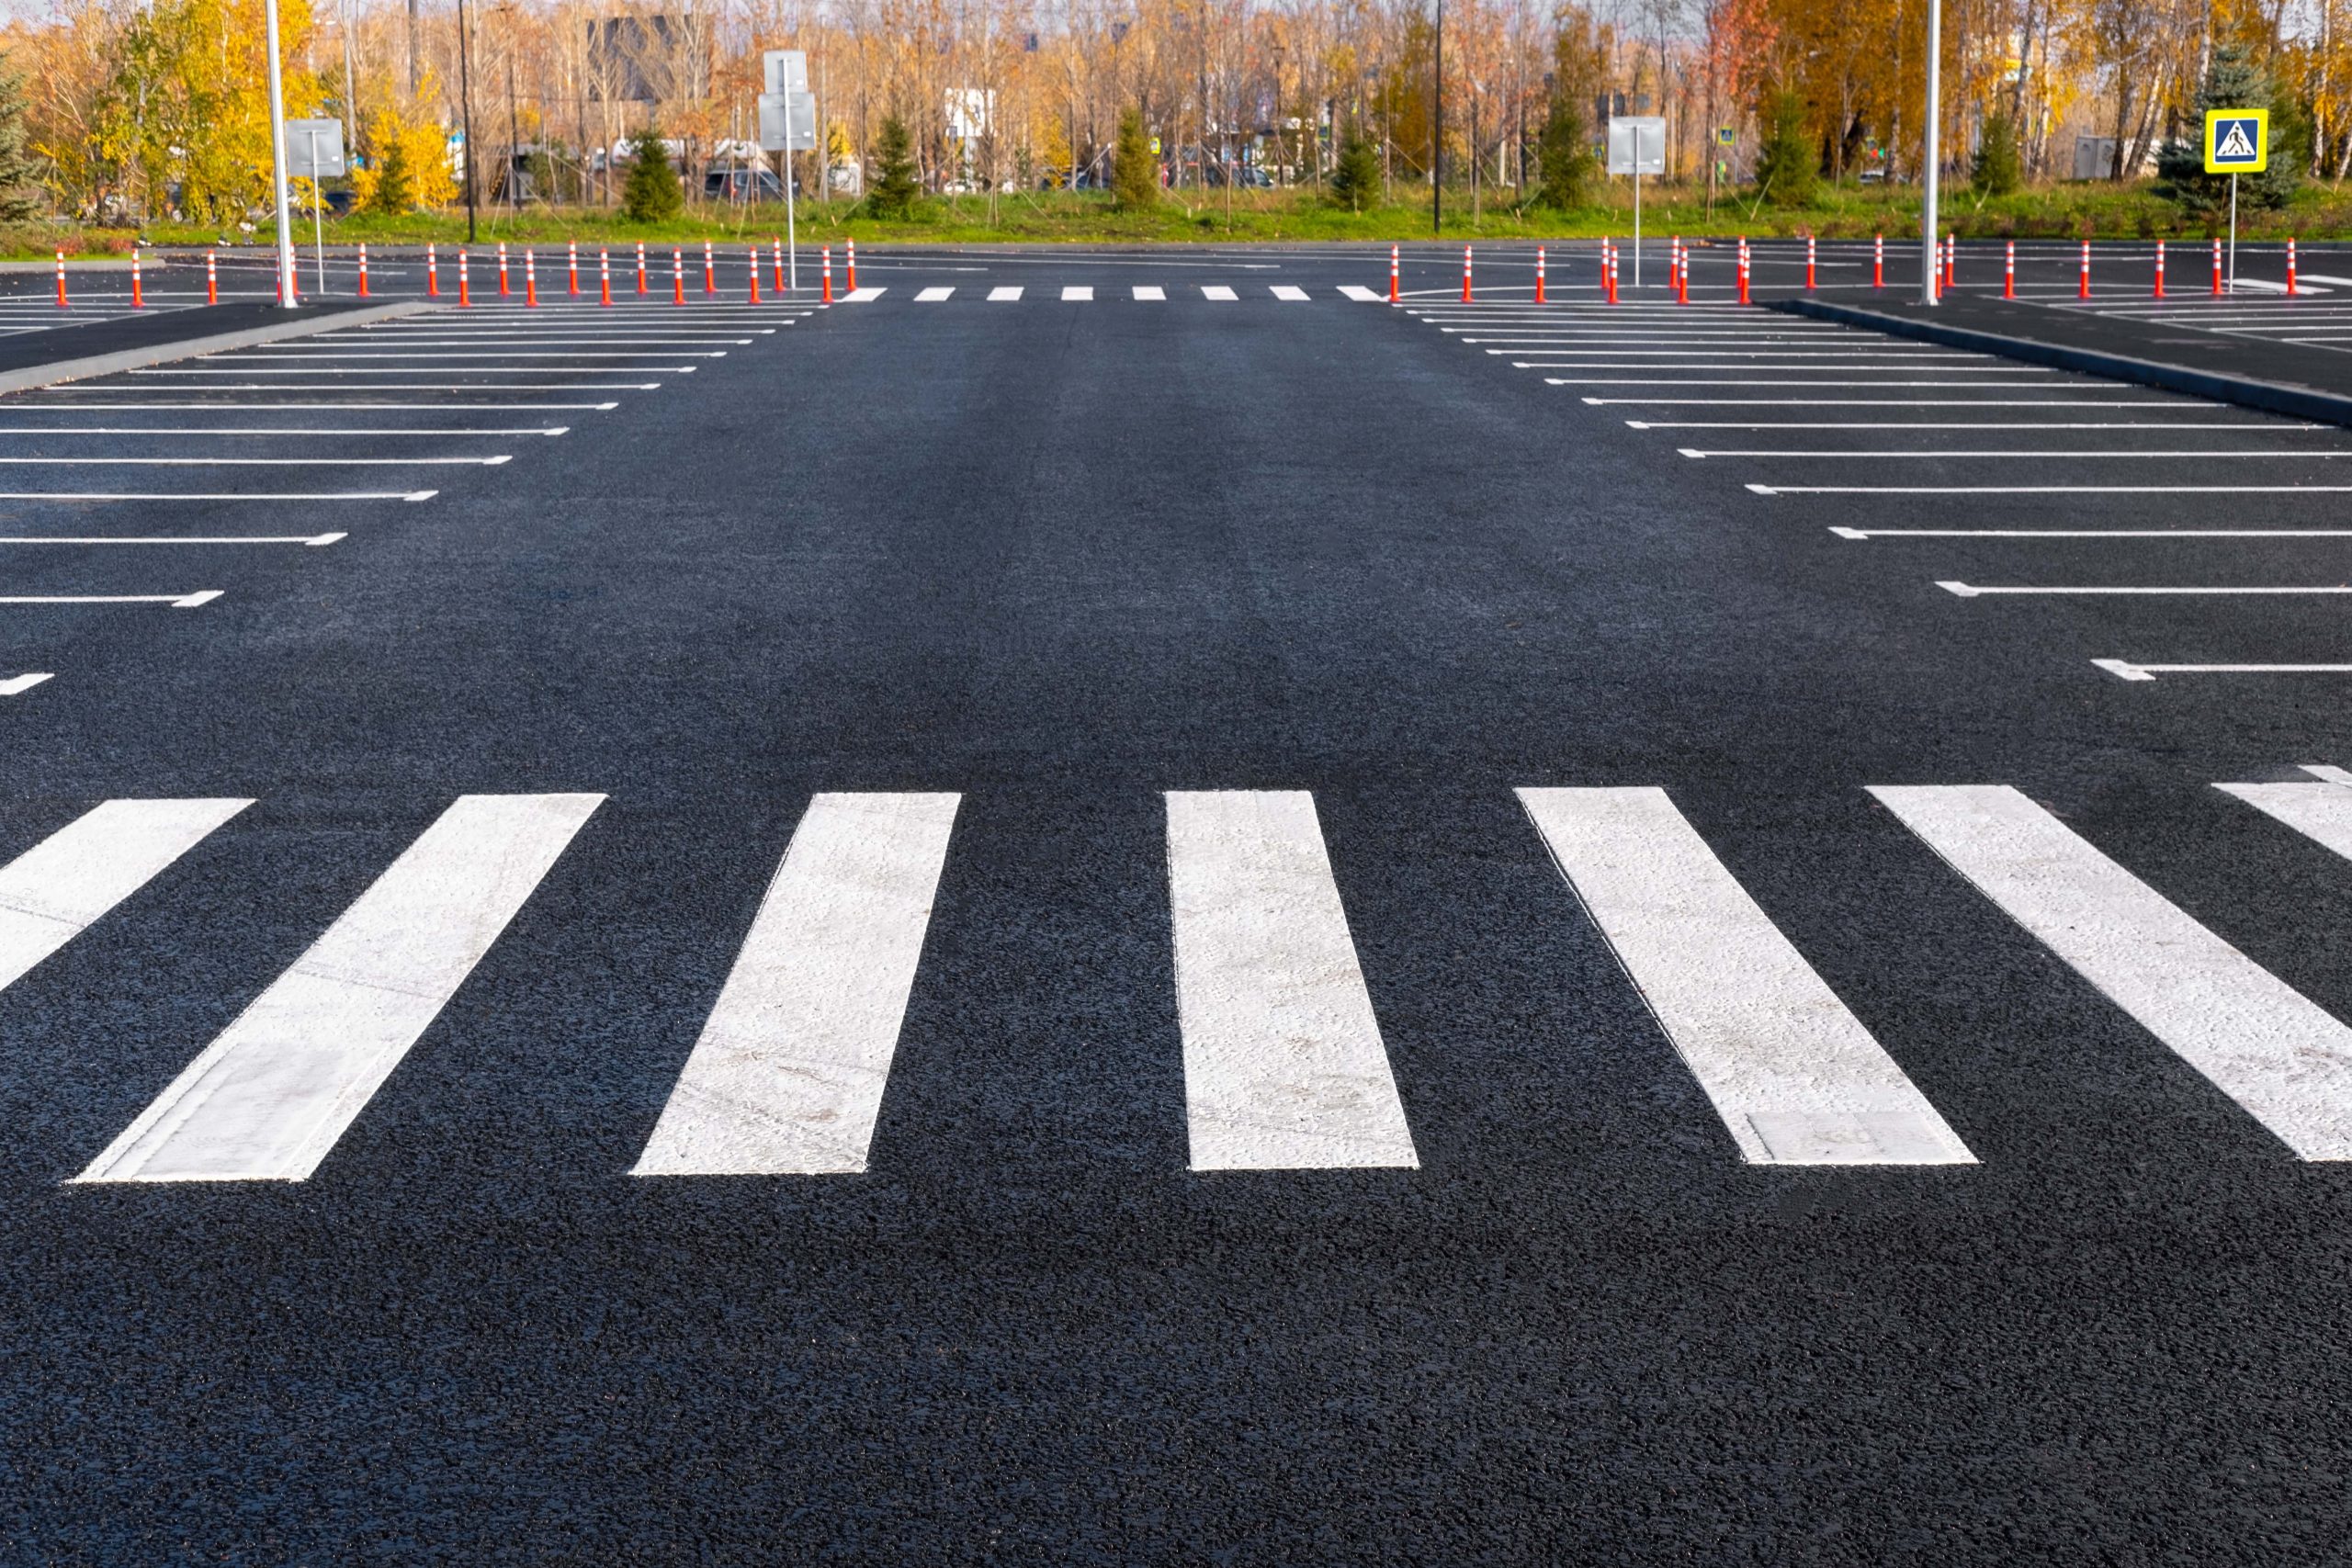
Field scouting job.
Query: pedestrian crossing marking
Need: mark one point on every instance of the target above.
(861, 296)
(933, 295)
(2286, 1061)
(61, 886)
(1078, 293)
(1288, 291)
(269, 1097)
(1151, 291)
(1007, 292)
(1793, 1073)
(1283, 1063)
(1218, 291)
(787, 1076)
(1360, 294)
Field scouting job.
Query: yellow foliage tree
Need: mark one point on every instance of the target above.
(189, 100)
(407, 164)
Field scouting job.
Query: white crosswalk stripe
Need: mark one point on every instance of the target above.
(787, 1076)
(1077, 292)
(2285, 1060)
(1795, 1077)
(1218, 291)
(58, 888)
(268, 1098)
(1151, 291)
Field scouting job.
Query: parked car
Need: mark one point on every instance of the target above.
(741, 184)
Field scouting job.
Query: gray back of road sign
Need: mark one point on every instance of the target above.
(314, 148)
(787, 122)
(788, 70)
(1637, 144)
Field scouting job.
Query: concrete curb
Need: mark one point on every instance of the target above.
(2271, 397)
(34, 376)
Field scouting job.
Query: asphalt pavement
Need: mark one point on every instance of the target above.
(1182, 917)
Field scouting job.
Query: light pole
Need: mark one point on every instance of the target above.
(1935, 104)
(277, 162)
(1437, 134)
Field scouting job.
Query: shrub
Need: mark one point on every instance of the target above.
(1355, 178)
(1786, 163)
(1134, 173)
(1564, 157)
(1997, 170)
(896, 183)
(652, 192)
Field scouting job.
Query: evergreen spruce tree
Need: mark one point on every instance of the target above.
(1564, 157)
(2233, 81)
(1355, 178)
(21, 198)
(652, 192)
(394, 191)
(1134, 173)
(896, 182)
(1998, 170)
(1787, 164)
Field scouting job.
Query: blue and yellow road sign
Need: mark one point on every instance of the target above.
(2237, 142)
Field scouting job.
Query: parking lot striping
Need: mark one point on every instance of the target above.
(1751, 381)
(1974, 591)
(786, 1076)
(2101, 403)
(2259, 426)
(434, 370)
(1769, 359)
(2288, 1063)
(2320, 810)
(489, 462)
(550, 430)
(2026, 374)
(216, 495)
(1218, 291)
(1288, 292)
(11, 405)
(16, 685)
(340, 354)
(2125, 669)
(1283, 1065)
(2317, 454)
(60, 887)
(1005, 293)
(933, 295)
(163, 539)
(269, 1097)
(409, 388)
(2049, 489)
(1844, 533)
(1150, 292)
(1795, 1077)
(195, 601)
(1078, 293)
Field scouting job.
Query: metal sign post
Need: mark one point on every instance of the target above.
(1930, 154)
(278, 162)
(1631, 140)
(789, 125)
(2237, 142)
(319, 156)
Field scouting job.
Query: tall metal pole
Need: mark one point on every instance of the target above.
(1935, 104)
(286, 295)
(1437, 135)
(466, 109)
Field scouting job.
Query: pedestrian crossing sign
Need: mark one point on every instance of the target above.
(2237, 142)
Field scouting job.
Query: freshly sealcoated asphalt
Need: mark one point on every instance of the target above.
(1062, 558)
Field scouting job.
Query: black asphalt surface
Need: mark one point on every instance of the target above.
(1062, 558)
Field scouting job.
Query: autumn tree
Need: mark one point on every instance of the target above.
(1134, 173)
(21, 197)
(1563, 156)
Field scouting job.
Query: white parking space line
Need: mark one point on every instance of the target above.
(1009, 291)
(1288, 292)
(409, 388)
(1795, 1077)
(55, 890)
(933, 295)
(1078, 293)
(217, 495)
(1974, 591)
(428, 370)
(451, 356)
(1846, 532)
(225, 431)
(492, 461)
(2249, 426)
(1218, 291)
(1360, 294)
(310, 540)
(2284, 1060)
(12, 405)
(2320, 810)
(1151, 291)
(2070, 455)
(1888, 366)
(1669, 381)
(195, 601)
(2127, 671)
(269, 1097)
(1892, 403)
(2049, 489)
(1283, 1063)
(787, 1076)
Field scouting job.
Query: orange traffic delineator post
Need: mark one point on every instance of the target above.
(2217, 265)
(1673, 264)
(1743, 269)
(432, 274)
(1808, 262)
(709, 270)
(465, 293)
(1682, 278)
(603, 276)
(138, 295)
(1539, 275)
(572, 248)
(2160, 269)
(641, 285)
(1952, 261)
(677, 276)
(852, 270)
(2083, 287)
(363, 272)
(2290, 264)
(211, 279)
(826, 255)
(530, 278)
(60, 281)
(776, 248)
(1608, 271)
(755, 275)
(2009, 271)
(1466, 274)
(502, 290)
(1391, 275)
(1878, 261)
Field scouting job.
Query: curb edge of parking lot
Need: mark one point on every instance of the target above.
(50, 375)
(2271, 397)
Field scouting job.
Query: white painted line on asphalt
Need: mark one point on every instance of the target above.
(1006, 291)
(861, 296)
(1844, 533)
(1151, 291)
(58, 888)
(269, 1097)
(1758, 358)
(1896, 403)
(1218, 291)
(1283, 1063)
(161, 540)
(2321, 811)
(260, 430)
(2258, 427)
(1360, 294)
(1078, 293)
(1289, 292)
(15, 685)
(2049, 490)
(1673, 381)
(317, 359)
(2111, 453)
(1889, 367)
(488, 462)
(14, 406)
(407, 387)
(176, 601)
(2283, 1059)
(786, 1078)
(424, 370)
(216, 495)
(2127, 671)
(933, 295)
(1972, 591)
(1795, 1077)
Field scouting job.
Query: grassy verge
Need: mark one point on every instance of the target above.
(2097, 211)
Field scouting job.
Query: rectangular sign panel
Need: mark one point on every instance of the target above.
(787, 122)
(788, 70)
(314, 148)
(1637, 144)
(2237, 142)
